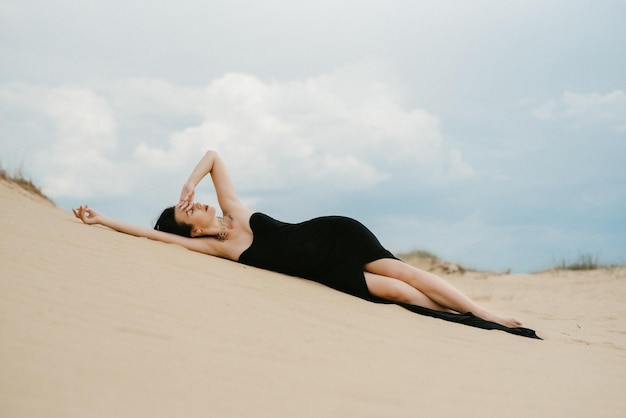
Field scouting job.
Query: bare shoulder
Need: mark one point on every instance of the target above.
(239, 236)
(240, 217)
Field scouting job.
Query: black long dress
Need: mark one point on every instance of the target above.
(333, 250)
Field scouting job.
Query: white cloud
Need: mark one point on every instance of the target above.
(340, 131)
(586, 109)
(80, 114)
(79, 161)
(608, 107)
(349, 133)
(72, 143)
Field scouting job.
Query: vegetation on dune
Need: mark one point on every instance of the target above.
(25, 183)
(583, 262)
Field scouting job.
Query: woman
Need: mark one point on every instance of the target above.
(336, 251)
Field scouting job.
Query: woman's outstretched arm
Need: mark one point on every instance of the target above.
(92, 217)
(211, 163)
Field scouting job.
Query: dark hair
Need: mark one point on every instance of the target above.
(167, 223)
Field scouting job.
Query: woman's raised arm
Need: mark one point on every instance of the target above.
(212, 164)
(92, 217)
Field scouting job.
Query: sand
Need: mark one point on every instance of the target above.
(95, 323)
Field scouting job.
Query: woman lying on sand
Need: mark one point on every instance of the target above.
(336, 251)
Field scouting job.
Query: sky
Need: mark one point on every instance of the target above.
(491, 133)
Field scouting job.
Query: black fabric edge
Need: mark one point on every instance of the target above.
(467, 318)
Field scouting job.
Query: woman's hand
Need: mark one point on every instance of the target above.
(186, 197)
(212, 164)
(87, 215)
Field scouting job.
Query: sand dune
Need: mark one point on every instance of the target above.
(94, 323)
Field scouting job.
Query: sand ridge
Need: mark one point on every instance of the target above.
(96, 323)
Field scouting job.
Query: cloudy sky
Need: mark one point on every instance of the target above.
(490, 132)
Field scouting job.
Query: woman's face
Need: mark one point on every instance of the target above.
(199, 216)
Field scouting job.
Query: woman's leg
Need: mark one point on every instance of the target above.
(434, 288)
(398, 291)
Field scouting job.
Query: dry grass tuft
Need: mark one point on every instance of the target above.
(583, 262)
(25, 183)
